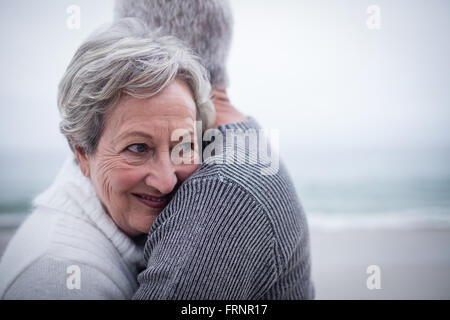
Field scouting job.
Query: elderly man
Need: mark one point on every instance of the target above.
(230, 232)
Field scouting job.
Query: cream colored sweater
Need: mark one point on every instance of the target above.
(69, 248)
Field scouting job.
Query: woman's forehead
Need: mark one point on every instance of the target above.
(139, 121)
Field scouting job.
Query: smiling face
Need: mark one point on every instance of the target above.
(131, 169)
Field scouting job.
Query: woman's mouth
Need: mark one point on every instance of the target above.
(152, 201)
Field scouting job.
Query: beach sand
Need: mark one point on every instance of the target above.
(414, 264)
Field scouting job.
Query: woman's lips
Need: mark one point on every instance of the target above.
(152, 201)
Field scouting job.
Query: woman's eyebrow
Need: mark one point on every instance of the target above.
(133, 134)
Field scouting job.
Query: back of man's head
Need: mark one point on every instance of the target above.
(204, 25)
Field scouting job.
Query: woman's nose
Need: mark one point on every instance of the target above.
(162, 175)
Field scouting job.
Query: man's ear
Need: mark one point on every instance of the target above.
(83, 160)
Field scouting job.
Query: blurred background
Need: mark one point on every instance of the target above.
(362, 109)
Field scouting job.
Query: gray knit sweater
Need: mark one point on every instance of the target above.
(229, 233)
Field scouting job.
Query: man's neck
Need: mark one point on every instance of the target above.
(225, 112)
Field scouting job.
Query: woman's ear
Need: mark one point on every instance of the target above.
(83, 160)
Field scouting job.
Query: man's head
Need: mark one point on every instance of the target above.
(204, 25)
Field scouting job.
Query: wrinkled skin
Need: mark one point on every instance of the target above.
(133, 156)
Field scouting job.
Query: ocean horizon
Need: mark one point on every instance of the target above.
(337, 190)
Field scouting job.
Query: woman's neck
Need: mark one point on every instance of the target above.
(225, 112)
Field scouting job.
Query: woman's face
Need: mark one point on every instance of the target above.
(131, 169)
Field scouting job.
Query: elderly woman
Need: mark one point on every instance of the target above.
(122, 97)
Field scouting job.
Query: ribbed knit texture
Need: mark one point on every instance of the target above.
(230, 233)
(69, 227)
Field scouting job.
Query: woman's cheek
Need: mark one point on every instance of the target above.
(126, 179)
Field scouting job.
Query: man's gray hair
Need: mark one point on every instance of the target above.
(125, 58)
(204, 25)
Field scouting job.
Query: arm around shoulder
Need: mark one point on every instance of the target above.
(213, 241)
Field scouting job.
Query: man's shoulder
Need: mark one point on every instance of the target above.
(272, 188)
(240, 153)
(236, 175)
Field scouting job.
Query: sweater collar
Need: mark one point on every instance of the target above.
(73, 194)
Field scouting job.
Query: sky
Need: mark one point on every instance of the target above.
(311, 69)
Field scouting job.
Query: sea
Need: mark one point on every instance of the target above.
(349, 188)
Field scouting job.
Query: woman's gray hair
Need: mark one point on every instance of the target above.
(206, 26)
(125, 58)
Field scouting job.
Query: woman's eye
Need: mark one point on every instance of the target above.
(186, 147)
(137, 148)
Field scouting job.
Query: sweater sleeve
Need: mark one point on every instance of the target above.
(213, 241)
(48, 279)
